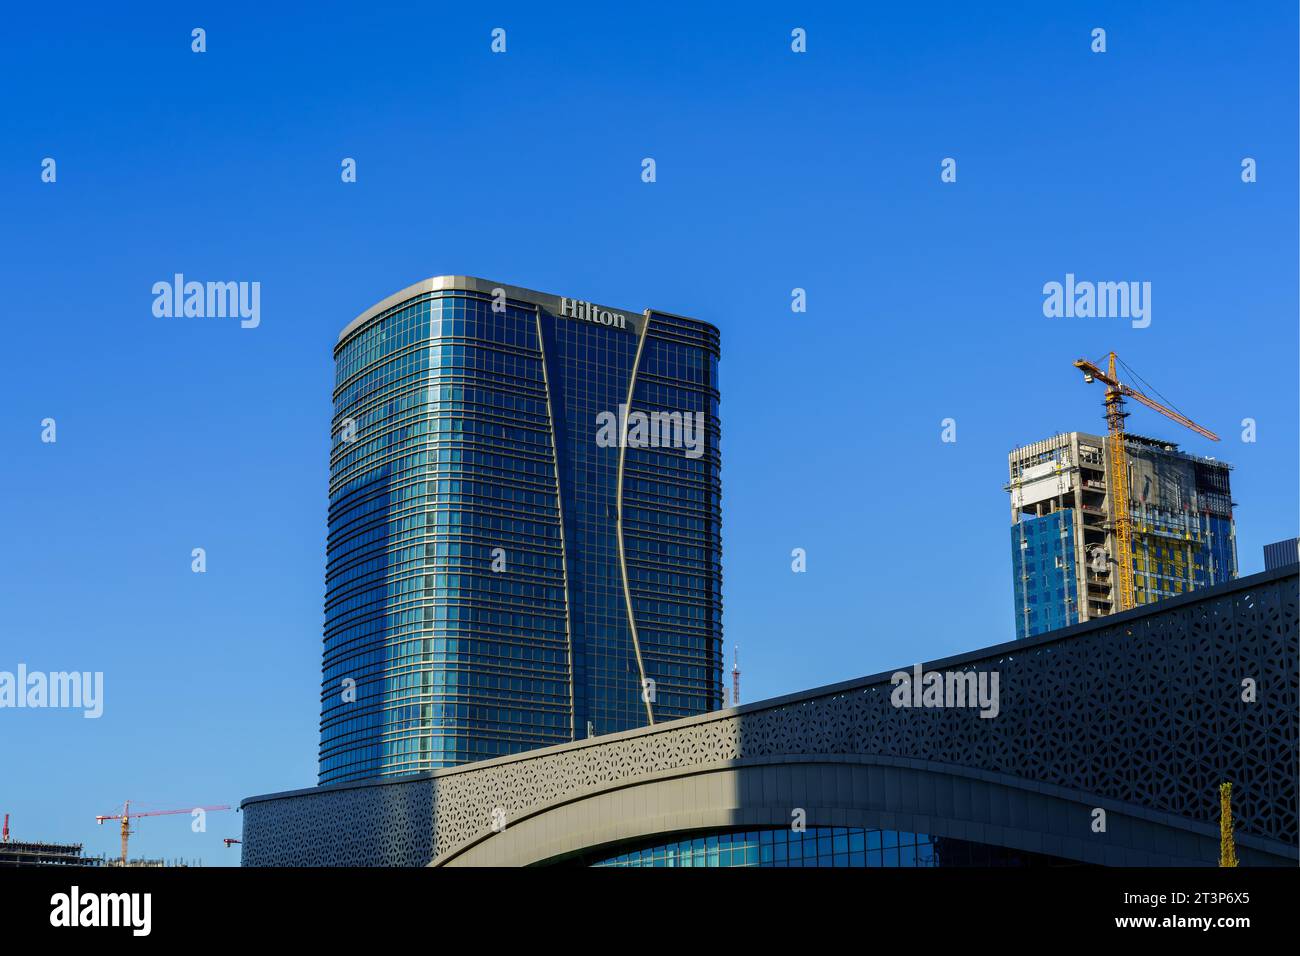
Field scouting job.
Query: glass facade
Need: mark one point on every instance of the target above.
(1177, 553)
(476, 597)
(825, 846)
(1042, 567)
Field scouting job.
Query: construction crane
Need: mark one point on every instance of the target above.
(229, 840)
(126, 815)
(1116, 392)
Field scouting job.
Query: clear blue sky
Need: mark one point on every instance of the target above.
(775, 171)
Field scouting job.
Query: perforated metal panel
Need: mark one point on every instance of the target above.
(1147, 710)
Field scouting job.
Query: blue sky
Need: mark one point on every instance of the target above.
(774, 171)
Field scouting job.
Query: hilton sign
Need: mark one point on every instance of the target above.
(577, 309)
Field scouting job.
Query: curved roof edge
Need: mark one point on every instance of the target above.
(473, 284)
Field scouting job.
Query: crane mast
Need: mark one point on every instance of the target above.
(126, 828)
(1123, 523)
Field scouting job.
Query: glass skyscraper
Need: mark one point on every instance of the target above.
(524, 531)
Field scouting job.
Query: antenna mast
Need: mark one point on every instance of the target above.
(735, 678)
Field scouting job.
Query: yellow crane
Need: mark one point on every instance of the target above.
(126, 815)
(1116, 392)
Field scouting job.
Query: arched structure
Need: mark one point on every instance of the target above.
(1138, 717)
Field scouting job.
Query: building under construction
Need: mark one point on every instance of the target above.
(22, 853)
(25, 853)
(1064, 544)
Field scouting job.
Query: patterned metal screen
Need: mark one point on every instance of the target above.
(1147, 710)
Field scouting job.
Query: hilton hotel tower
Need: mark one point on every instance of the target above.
(497, 578)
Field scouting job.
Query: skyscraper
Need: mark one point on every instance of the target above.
(524, 527)
(1063, 547)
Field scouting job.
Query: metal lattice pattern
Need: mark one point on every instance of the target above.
(1147, 711)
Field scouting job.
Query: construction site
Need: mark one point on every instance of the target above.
(1104, 524)
(23, 853)
(14, 853)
